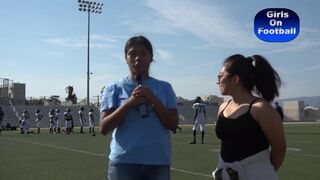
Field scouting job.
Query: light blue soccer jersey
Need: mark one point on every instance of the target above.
(139, 140)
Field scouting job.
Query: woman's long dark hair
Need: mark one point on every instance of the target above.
(256, 74)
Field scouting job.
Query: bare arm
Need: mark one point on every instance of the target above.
(111, 118)
(168, 117)
(271, 124)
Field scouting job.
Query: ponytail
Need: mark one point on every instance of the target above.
(267, 80)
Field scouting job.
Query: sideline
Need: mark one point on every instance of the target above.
(97, 154)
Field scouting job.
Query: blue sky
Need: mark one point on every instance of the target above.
(44, 43)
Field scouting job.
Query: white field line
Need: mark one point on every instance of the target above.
(97, 154)
(305, 155)
(56, 147)
(191, 172)
(297, 152)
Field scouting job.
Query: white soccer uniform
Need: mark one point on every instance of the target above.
(81, 119)
(39, 117)
(24, 124)
(200, 119)
(68, 119)
(52, 121)
(57, 120)
(91, 119)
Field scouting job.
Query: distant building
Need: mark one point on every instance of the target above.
(12, 92)
(213, 99)
(180, 100)
(294, 110)
(312, 113)
(18, 93)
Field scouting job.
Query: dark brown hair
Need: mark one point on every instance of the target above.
(138, 40)
(256, 74)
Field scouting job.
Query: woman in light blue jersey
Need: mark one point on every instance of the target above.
(141, 111)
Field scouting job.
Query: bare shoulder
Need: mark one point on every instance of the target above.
(263, 111)
(261, 105)
(222, 106)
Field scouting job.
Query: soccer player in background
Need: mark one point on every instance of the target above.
(24, 127)
(91, 121)
(38, 115)
(68, 119)
(199, 119)
(279, 109)
(57, 120)
(81, 118)
(52, 125)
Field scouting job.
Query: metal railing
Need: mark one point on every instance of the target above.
(14, 109)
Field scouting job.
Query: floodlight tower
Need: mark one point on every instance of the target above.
(96, 8)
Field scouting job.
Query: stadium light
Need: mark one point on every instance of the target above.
(96, 8)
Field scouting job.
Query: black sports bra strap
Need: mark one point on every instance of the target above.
(226, 105)
(252, 104)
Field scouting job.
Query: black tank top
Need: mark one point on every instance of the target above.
(240, 137)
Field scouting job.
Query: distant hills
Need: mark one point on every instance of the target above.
(308, 101)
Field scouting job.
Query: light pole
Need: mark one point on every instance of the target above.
(89, 7)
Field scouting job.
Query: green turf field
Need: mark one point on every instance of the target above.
(81, 156)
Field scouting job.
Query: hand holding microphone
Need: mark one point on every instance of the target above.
(143, 109)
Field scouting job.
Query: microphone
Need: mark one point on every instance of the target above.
(143, 109)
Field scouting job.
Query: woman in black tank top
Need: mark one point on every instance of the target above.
(247, 124)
